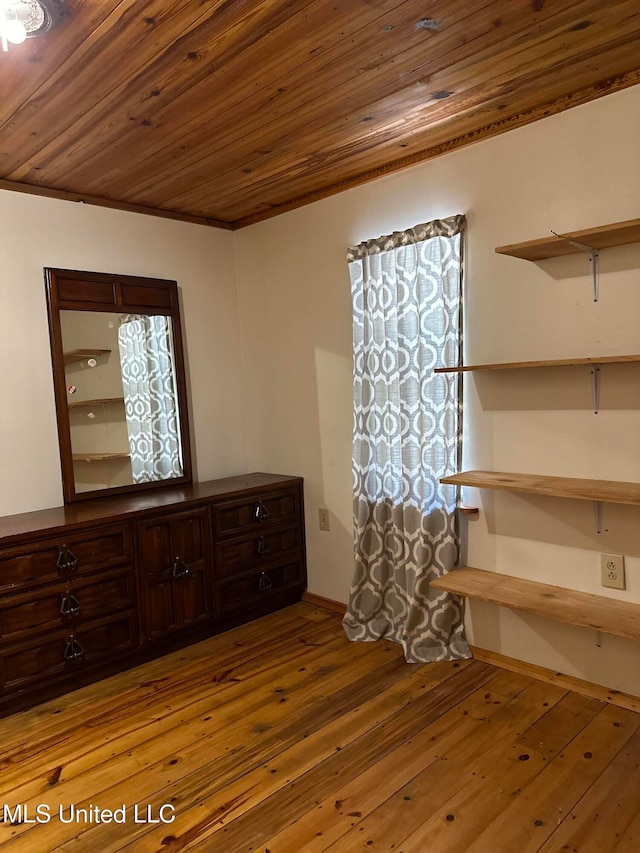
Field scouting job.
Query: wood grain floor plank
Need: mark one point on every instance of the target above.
(612, 801)
(68, 712)
(181, 719)
(253, 750)
(629, 841)
(283, 736)
(526, 824)
(350, 762)
(335, 815)
(160, 695)
(501, 780)
(559, 725)
(285, 770)
(288, 768)
(409, 807)
(229, 724)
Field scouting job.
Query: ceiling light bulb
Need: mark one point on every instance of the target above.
(31, 13)
(14, 31)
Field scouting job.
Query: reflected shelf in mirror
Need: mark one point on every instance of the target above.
(77, 355)
(99, 457)
(100, 402)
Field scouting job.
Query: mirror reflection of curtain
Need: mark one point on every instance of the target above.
(406, 291)
(148, 382)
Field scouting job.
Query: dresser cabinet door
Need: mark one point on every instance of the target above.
(175, 557)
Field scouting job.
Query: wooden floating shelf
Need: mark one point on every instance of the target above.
(76, 355)
(99, 457)
(603, 237)
(99, 402)
(565, 605)
(554, 362)
(608, 491)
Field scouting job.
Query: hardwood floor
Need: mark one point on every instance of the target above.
(281, 736)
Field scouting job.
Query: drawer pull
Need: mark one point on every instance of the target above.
(66, 561)
(73, 650)
(70, 606)
(263, 548)
(264, 582)
(179, 568)
(260, 512)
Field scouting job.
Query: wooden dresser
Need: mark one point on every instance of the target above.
(92, 588)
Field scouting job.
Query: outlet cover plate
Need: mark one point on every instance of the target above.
(612, 571)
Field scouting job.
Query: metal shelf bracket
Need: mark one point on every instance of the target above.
(594, 256)
(597, 511)
(595, 387)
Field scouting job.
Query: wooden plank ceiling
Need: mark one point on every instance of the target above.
(232, 111)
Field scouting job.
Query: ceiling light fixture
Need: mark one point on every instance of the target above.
(22, 19)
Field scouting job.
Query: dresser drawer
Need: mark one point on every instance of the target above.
(258, 586)
(241, 516)
(75, 555)
(56, 606)
(24, 664)
(262, 548)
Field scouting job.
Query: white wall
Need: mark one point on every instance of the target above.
(38, 232)
(571, 171)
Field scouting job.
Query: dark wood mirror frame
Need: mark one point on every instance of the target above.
(117, 294)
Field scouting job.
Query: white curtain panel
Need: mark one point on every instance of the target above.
(407, 320)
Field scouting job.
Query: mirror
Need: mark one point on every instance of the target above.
(119, 382)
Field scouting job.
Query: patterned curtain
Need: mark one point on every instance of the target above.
(148, 381)
(407, 312)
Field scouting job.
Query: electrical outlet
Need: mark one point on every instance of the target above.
(323, 519)
(612, 571)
